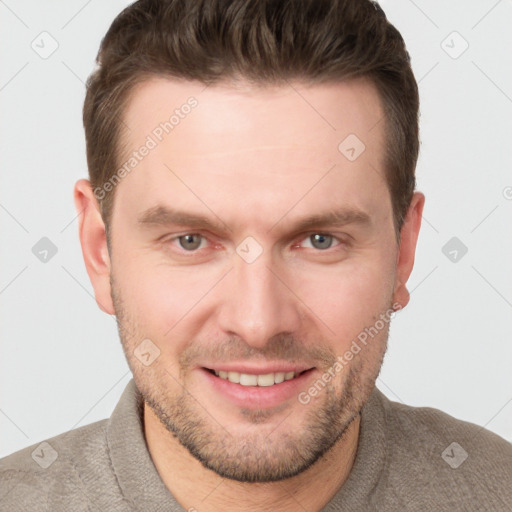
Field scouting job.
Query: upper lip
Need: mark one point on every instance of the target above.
(252, 369)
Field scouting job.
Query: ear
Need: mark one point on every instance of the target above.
(405, 257)
(94, 244)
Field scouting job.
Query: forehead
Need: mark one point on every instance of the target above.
(297, 112)
(272, 143)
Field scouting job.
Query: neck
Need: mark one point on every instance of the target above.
(310, 490)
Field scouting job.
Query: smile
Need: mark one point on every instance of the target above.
(262, 380)
(250, 387)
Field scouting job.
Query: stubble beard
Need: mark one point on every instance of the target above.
(256, 456)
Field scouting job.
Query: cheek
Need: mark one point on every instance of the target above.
(348, 299)
(163, 300)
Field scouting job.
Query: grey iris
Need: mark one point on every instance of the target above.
(321, 241)
(187, 241)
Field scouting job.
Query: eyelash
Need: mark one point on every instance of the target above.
(341, 242)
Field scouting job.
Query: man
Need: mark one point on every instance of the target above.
(251, 219)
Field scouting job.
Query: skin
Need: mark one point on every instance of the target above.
(256, 160)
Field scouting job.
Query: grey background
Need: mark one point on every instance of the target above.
(61, 362)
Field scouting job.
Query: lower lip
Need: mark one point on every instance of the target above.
(258, 397)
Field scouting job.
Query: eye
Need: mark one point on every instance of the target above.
(190, 241)
(321, 241)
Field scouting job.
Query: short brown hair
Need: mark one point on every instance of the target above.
(264, 42)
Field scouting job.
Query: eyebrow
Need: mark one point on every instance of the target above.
(163, 216)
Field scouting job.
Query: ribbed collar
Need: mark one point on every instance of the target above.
(137, 476)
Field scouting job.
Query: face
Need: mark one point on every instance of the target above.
(252, 252)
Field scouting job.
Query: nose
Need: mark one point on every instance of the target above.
(258, 303)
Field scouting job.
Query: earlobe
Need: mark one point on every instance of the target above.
(406, 252)
(91, 230)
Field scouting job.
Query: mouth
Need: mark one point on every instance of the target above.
(248, 387)
(259, 380)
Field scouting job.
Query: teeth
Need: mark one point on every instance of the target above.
(233, 377)
(278, 377)
(266, 380)
(246, 379)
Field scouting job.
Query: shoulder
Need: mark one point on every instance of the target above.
(426, 426)
(460, 464)
(35, 477)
